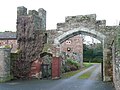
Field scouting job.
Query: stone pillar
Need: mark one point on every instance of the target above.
(56, 50)
(56, 67)
(107, 62)
(42, 15)
(116, 60)
(4, 64)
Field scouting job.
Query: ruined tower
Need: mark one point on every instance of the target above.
(31, 28)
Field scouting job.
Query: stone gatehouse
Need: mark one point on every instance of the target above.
(31, 35)
(73, 25)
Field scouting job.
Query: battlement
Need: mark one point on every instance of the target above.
(23, 11)
(101, 22)
(77, 21)
(32, 12)
(80, 18)
(41, 14)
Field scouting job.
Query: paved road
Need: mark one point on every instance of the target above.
(71, 83)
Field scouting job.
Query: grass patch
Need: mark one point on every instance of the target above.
(87, 74)
(72, 73)
(87, 64)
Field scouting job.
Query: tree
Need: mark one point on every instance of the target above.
(92, 53)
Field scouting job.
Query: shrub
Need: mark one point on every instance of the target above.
(71, 64)
(62, 70)
(66, 68)
(73, 68)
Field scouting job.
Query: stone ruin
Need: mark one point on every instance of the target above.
(31, 38)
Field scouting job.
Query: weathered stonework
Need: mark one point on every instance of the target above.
(116, 60)
(42, 15)
(88, 25)
(72, 22)
(30, 37)
(4, 64)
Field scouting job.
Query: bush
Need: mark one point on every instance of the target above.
(73, 64)
(62, 70)
(66, 68)
(73, 68)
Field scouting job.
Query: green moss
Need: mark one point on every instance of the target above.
(87, 74)
(4, 79)
(46, 47)
(7, 46)
(69, 74)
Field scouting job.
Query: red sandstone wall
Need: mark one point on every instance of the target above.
(56, 67)
(75, 43)
(35, 69)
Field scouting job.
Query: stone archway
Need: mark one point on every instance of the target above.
(86, 31)
(88, 25)
(77, 31)
(32, 32)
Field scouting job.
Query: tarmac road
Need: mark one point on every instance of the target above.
(71, 83)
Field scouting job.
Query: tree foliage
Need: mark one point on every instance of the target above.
(93, 53)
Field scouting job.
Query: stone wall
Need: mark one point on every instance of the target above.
(4, 64)
(116, 60)
(31, 38)
(110, 32)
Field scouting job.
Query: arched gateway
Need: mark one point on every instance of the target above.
(77, 31)
(87, 25)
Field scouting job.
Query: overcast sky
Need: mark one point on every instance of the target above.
(57, 10)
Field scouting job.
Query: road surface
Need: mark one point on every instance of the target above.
(72, 83)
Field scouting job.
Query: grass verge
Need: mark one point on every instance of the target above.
(87, 74)
(72, 73)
